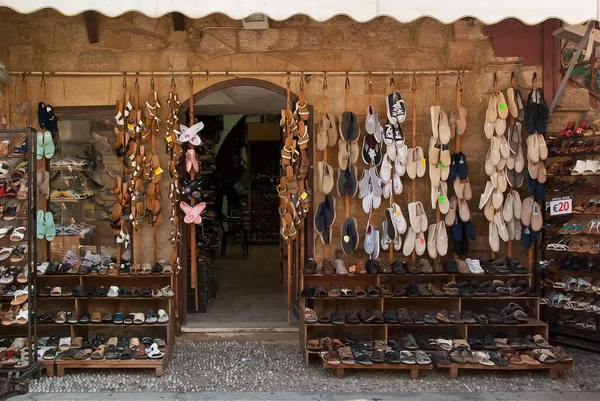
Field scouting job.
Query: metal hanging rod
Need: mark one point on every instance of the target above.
(234, 73)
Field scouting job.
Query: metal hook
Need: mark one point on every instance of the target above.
(191, 80)
(206, 75)
(301, 82)
(370, 79)
(437, 79)
(347, 84)
(173, 85)
(414, 82)
(137, 81)
(392, 83)
(23, 78)
(152, 84)
(458, 79)
(43, 80)
(288, 80)
(124, 84)
(325, 80)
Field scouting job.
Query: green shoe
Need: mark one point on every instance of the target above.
(40, 146)
(41, 225)
(48, 145)
(50, 228)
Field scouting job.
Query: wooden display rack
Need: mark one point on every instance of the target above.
(157, 364)
(392, 331)
(129, 304)
(414, 369)
(553, 368)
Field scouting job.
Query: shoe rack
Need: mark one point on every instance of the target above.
(122, 234)
(25, 362)
(569, 246)
(391, 331)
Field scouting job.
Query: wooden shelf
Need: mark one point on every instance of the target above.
(554, 368)
(156, 364)
(40, 325)
(531, 323)
(49, 276)
(107, 298)
(414, 369)
(411, 275)
(507, 298)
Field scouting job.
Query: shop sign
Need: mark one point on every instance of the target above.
(560, 206)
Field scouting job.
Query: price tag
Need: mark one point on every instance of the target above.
(560, 206)
(169, 139)
(442, 165)
(423, 161)
(503, 105)
(422, 240)
(352, 269)
(158, 171)
(304, 195)
(442, 199)
(346, 238)
(398, 213)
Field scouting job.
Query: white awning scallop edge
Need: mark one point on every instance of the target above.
(530, 12)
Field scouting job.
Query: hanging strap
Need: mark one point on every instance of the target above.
(347, 85)
(324, 92)
(24, 85)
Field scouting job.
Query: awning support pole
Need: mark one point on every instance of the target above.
(580, 47)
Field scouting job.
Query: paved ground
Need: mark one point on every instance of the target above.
(306, 396)
(278, 367)
(250, 293)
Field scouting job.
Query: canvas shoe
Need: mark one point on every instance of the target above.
(435, 174)
(343, 154)
(332, 132)
(435, 194)
(516, 204)
(411, 164)
(463, 210)
(519, 160)
(499, 127)
(474, 266)
(542, 147)
(385, 237)
(507, 209)
(497, 199)
(371, 120)
(492, 110)
(386, 169)
(377, 238)
(514, 137)
(442, 239)
(420, 244)
(486, 195)
(434, 151)
(518, 228)
(443, 202)
(364, 184)
(468, 191)
(488, 129)
(501, 226)
(402, 155)
(397, 184)
(400, 223)
(387, 190)
(367, 202)
(379, 131)
(376, 201)
(459, 188)
(510, 226)
(435, 121)
(493, 239)
(349, 236)
(450, 217)
(397, 243)
(537, 220)
(431, 240)
(419, 157)
(375, 182)
(409, 242)
(414, 218)
(422, 216)
(444, 131)
(388, 135)
(489, 210)
(369, 242)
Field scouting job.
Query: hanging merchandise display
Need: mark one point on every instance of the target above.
(89, 292)
(490, 305)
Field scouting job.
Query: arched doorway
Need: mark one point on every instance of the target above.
(235, 290)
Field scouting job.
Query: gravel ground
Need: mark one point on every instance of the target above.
(279, 366)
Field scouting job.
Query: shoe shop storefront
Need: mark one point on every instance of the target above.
(406, 187)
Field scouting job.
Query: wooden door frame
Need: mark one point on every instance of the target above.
(183, 112)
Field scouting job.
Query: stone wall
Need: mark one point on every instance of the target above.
(47, 41)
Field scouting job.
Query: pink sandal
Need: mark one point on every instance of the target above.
(191, 134)
(192, 214)
(190, 161)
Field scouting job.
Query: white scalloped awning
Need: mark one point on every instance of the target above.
(447, 11)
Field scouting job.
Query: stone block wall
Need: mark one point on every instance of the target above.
(47, 41)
